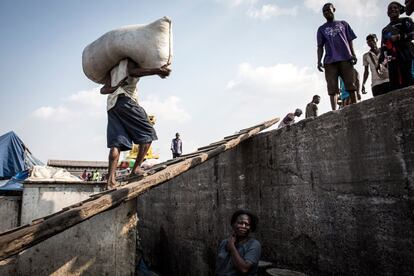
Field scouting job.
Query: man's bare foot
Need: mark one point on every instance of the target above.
(137, 172)
(111, 184)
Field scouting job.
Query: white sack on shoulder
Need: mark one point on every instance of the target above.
(148, 45)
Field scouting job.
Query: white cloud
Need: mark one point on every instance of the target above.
(56, 114)
(88, 98)
(268, 91)
(236, 3)
(352, 8)
(268, 11)
(277, 78)
(264, 12)
(168, 109)
(79, 105)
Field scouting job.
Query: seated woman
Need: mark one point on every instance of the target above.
(397, 48)
(239, 254)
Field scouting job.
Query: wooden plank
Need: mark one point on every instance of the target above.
(173, 161)
(221, 142)
(194, 153)
(208, 147)
(231, 137)
(17, 240)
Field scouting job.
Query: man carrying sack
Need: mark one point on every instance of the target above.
(127, 120)
(118, 59)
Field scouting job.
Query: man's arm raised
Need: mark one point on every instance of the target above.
(135, 71)
(107, 88)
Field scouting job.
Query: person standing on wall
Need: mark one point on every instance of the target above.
(312, 107)
(379, 79)
(176, 146)
(397, 48)
(409, 7)
(336, 37)
(127, 120)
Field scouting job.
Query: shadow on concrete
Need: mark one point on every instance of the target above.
(101, 245)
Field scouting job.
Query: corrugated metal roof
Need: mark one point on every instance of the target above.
(77, 163)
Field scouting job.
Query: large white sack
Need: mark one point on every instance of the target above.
(148, 45)
(51, 174)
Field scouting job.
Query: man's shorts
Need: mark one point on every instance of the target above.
(381, 89)
(128, 122)
(343, 69)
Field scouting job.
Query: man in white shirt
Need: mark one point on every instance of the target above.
(379, 79)
(127, 120)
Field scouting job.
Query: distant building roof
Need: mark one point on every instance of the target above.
(76, 163)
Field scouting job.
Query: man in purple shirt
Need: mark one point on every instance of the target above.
(336, 37)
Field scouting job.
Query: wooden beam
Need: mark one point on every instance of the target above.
(16, 240)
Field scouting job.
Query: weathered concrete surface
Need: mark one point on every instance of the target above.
(42, 199)
(9, 212)
(103, 245)
(335, 196)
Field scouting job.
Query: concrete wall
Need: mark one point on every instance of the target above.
(334, 195)
(102, 245)
(42, 199)
(9, 212)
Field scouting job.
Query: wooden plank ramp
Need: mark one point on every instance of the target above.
(16, 240)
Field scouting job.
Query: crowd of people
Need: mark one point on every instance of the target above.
(93, 175)
(391, 65)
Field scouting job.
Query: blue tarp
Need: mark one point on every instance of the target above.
(12, 185)
(16, 183)
(15, 160)
(11, 155)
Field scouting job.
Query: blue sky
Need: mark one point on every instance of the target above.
(236, 63)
